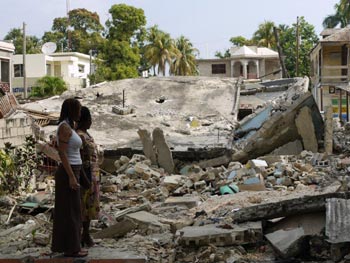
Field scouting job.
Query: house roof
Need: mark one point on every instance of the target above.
(328, 31)
(253, 51)
(4, 45)
(341, 35)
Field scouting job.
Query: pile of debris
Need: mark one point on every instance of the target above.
(275, 193)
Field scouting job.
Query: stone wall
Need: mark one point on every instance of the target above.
(15, 128)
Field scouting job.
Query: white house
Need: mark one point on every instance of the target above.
(249, 62)
(6, 53)
(73, 67)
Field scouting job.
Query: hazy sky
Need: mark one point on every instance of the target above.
(209, 24)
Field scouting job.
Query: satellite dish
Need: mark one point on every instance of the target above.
(49, 48)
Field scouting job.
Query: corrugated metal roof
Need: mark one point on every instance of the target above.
(338, 220)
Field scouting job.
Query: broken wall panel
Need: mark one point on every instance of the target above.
(280, 129)
(338, 220)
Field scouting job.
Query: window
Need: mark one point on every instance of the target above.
(5, 71)
(218, 68)
(48, 69)
(81, 68)
(18, 68)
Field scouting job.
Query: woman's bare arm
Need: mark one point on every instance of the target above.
(64, 134)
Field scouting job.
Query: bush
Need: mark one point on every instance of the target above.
(48, 86)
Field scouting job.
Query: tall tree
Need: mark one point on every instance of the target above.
(121, 51)
(83, 29)
(16, 36)
(288, 43)
(126, 22)
(264, 36)
(161, 51)
(185, 59)
(341, 16)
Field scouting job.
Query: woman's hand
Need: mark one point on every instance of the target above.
(73, 184)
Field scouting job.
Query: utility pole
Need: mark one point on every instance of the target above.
(24, 62)
(68, 27)
(280, 54)
(297, 50)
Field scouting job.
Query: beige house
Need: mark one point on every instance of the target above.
(73, 67)
(6, 53)
(330, 71)
(249, 62)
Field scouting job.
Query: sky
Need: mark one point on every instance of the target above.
(208, 24)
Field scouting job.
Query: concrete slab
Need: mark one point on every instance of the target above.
(250, 232)
(147, 220)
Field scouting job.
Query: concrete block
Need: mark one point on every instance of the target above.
(123, 111)
(287, 235)
(173, 181)
(188, 201)
(13, 132)
(20, 131)
(247, 233)
(253, 184)
(200, 185)
(2, 123)
(28, 130)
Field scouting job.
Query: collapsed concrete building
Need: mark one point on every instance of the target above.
(248, 168)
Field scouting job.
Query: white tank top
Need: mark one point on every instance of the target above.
(74, 145)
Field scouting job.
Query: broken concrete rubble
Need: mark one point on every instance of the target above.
(159, 213)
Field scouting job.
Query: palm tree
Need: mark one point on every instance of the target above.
(185, 61)
(264, 35)
(341, 16)
(160, 50)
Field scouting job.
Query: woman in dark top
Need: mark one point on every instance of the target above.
(89, 197)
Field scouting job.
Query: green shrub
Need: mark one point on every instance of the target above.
(48, 86)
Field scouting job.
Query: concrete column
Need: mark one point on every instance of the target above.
(245, 64)
(257, 68)
(262, 66)
(232, 64)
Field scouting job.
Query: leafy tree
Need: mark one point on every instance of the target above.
(341, 16)
(185, 60)
(83, 28)
(126, 22)
(264, 35)
(161, 50)
(48, 86)
(121, 52)
(121, 60)
(288, 43)
(16, 36)
(227, 54)
(240, 41)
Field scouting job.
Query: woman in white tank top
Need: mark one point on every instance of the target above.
(67, 212)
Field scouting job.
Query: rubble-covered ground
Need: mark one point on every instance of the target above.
(254, 211)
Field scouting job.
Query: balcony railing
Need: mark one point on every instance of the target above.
(334, 74)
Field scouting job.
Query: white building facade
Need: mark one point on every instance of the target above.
(6, 53)
(249, 62)
(72, 67)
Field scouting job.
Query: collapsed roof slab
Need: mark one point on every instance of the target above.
(275, 125)
(193, 112)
